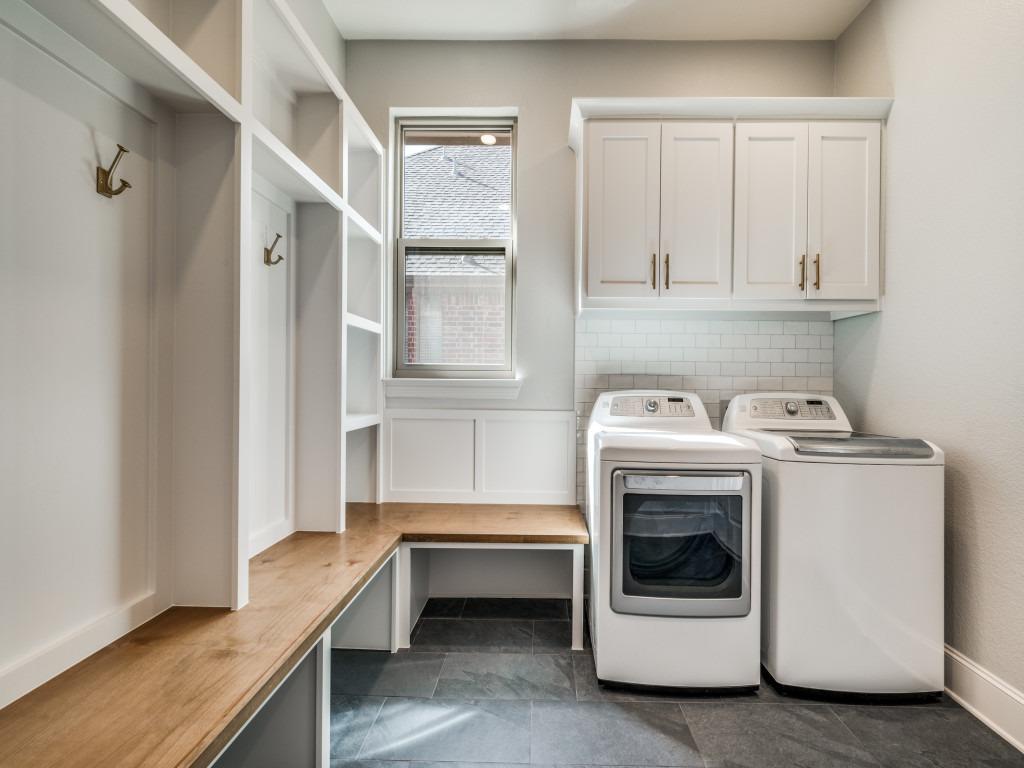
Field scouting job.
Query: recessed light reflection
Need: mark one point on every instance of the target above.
(488, 139)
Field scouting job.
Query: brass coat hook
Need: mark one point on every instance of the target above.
(104, 175)
(268, 253)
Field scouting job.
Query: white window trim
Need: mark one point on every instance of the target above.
(464, 382)
(453, 389)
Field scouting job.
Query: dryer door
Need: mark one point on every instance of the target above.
(680, 543)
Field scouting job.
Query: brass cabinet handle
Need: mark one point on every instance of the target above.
(654, 271)
(803, 271)
(667, 286)
(817, 271)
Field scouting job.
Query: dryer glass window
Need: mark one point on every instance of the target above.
(681, 543)
(682, 546)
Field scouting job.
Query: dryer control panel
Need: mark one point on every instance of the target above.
(654, 405)
(784, 408)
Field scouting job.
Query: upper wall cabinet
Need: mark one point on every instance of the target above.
(807, 210)
(748, 204)
(843, 210)
(659, 209)
(623, 193)
(771, 210)
(696, 209)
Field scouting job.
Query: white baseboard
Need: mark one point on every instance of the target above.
(992, 700)
(22, 675)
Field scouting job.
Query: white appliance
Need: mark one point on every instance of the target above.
(853, 549)
(674, 511)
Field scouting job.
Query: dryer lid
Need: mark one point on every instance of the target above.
(859, 445)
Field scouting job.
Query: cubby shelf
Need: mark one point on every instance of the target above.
(283, 168)
(129, 41)
(354, 421)
(247, 105)
(357, 321)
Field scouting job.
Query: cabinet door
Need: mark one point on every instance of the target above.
(696, 209)
(771, 210)
(843, 210)
(622, 208)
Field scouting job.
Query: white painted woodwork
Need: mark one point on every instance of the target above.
(365, 275)
(319, 439)
(722, 108)
(844, 203)
(271, 515)
(80, 335)
(623, 190)
(696, 209)
(205, 376)
(771, 210)
(511, 462)
(429, 456)
(185, 419)
(363, 185)
(204, 29)
(479, 456)
(361, 462)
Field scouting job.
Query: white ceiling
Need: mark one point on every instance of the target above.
(593, 19)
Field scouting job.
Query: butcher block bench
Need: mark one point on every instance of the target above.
(209, 686)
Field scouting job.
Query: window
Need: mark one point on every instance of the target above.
(455, 250)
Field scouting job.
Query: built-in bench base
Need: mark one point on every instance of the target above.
(208, 686)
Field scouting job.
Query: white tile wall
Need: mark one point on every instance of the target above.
(713, 358)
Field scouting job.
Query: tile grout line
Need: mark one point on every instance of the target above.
(437, 682)
(376, 716)
(857, 740)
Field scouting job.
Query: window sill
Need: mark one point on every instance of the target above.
(454, 389)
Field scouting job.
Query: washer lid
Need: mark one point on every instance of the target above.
(859, 445)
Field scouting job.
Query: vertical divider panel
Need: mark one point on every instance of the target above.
(319, 436)
(205, 391)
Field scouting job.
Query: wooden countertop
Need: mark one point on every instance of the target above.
(487, 523)
(176, 690)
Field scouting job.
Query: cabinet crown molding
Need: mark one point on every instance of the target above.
(725, 108)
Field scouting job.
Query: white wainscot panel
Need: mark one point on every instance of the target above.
(430, 455)
(498, 457)
(527, 453)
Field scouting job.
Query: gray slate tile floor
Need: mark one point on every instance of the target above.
(493, 684)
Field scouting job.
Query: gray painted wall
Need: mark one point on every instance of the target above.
(944, 359)
(540, 78)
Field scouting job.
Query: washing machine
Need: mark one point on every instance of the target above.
(853, 549)
(673, 508)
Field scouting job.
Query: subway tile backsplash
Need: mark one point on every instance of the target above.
(716, 359)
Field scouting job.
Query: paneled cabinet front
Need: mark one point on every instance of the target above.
(659, 209)
(624, 172)
(807, 210)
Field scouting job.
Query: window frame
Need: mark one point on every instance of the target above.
(402, 369)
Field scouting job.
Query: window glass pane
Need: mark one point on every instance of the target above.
(457, 184)
(455, 307)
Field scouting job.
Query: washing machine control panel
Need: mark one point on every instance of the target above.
(781, 408)
(637, 406)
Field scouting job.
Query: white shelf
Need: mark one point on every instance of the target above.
(365, 227)
(354, 421)
(286, 170)
(357, 321)
(120, 34)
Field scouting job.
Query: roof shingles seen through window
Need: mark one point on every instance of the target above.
(458, 192)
